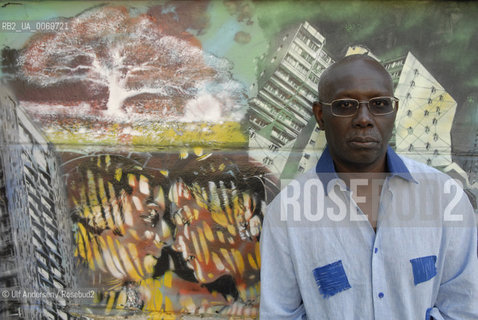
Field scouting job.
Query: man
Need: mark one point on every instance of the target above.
(367, 234)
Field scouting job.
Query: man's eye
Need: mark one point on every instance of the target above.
(380, 103)
(345, 104)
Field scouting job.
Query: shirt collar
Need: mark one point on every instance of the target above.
(397, 167)
(326, 170)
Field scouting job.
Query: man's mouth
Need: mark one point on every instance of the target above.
(363, 142)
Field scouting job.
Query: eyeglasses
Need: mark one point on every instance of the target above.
(378, 106)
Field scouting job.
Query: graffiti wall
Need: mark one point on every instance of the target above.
(142, 141)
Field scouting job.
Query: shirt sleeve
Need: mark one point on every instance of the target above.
(458, 293)
(280, 294)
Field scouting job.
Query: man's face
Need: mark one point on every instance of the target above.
(357, 143)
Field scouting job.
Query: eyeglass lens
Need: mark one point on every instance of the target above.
(377, 106)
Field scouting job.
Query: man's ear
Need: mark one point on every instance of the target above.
(317, 109)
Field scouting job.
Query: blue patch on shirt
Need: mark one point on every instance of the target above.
(331, 279)
(424, 268)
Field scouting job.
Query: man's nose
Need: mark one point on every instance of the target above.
(363, 117)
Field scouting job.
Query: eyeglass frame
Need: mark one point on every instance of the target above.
(394, 99)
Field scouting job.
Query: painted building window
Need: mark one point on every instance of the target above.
(301, 68)
(301, 35)
(314, 46)
(295, 126)
(296, 48)
(291, 60)
(307, 57)
(314, 78)
(267, 161)
(273, 147)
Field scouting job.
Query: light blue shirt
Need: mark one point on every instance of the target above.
(321, 258)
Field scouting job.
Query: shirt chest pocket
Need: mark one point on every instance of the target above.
(331, 279)
(424, 268)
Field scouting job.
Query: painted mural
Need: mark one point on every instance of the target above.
(142, 141)
(158, 231)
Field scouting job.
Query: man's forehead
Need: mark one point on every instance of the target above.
(359, 71)
(356, 67)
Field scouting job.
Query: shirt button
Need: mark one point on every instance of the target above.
(376, 250)
(380, 295)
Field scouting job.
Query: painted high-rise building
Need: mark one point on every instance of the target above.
(426, 112)
(36, 245)
(9, 308)
(285, 91)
